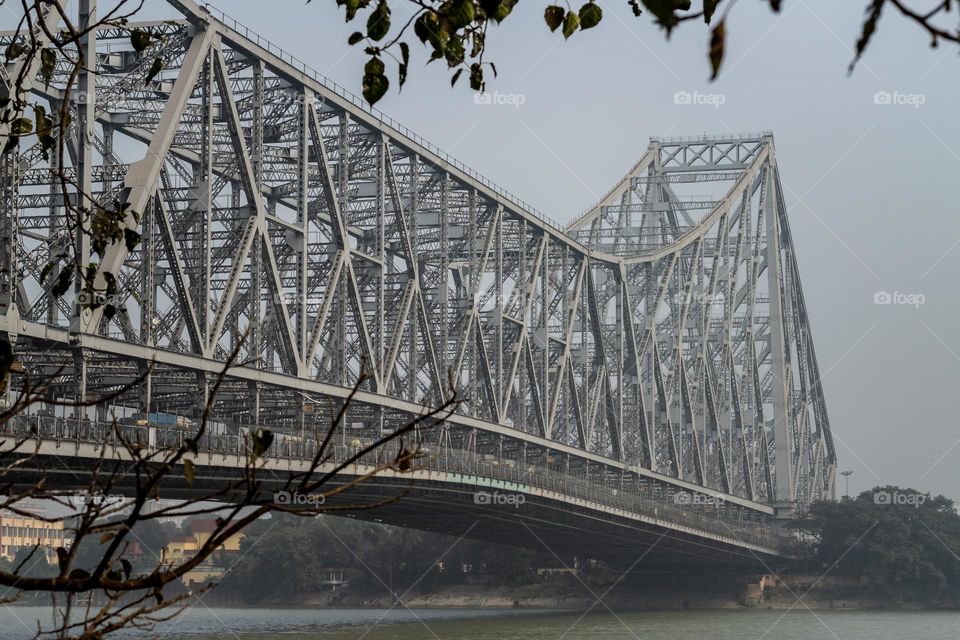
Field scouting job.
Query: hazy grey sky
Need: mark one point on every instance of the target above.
(872, 188)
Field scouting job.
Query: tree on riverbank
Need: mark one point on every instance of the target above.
(902, 542)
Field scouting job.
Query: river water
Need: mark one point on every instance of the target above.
(202, 623)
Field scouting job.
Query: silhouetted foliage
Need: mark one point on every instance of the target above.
(455, 31)
(903, 542)
(287, 558)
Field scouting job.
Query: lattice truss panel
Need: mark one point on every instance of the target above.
(709, 292)
(277, 214)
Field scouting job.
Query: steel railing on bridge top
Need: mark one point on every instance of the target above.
(476, 469)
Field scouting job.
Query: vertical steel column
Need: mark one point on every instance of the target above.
(443, 289)
(782, 436)
(202, 240)
(55, 226)
(9, 234)
(303, 223)
(474, 278)
(86, 121)
(414, 219)
(148, 268)
(343, 184)
(498, 317)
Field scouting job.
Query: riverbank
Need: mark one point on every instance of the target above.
(659, 594)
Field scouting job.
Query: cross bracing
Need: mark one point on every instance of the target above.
(664, 331)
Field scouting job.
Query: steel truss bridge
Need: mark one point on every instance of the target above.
(659, 345)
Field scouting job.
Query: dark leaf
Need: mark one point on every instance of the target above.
(489, 7)
(189, 471)
(405, 62)
(874, 9)
(476, 77)
(454, 52)
(63, 281)
(262, 439)
(553, 15)
(139, 39)
(590, 15)
(47, 268)
(403, 459)
(131, 238)
(635, 6)
(456, 76)
(504, 9)
(155, 68)
(461, 13)
(354, 38)
(709, 8)
(15, 50)
(378, 24)
(478, 42)
(665, 11)
(717, 38)
(570, 24)
(21, 126)
(775, 5)
(375, 85)
(48, 61)
(422, 27)
(374, 66)
(427, 28)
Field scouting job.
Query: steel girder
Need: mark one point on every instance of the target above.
(276, 211)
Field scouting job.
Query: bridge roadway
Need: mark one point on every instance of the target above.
(450, 491)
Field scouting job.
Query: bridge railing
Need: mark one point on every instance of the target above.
(505, 475)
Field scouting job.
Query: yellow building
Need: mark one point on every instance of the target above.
(181, 548)
(20, 531)
(203, 529)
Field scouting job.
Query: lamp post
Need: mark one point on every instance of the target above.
(846, 476)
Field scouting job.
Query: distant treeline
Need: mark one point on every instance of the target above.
(900, 542)
(288, 557)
